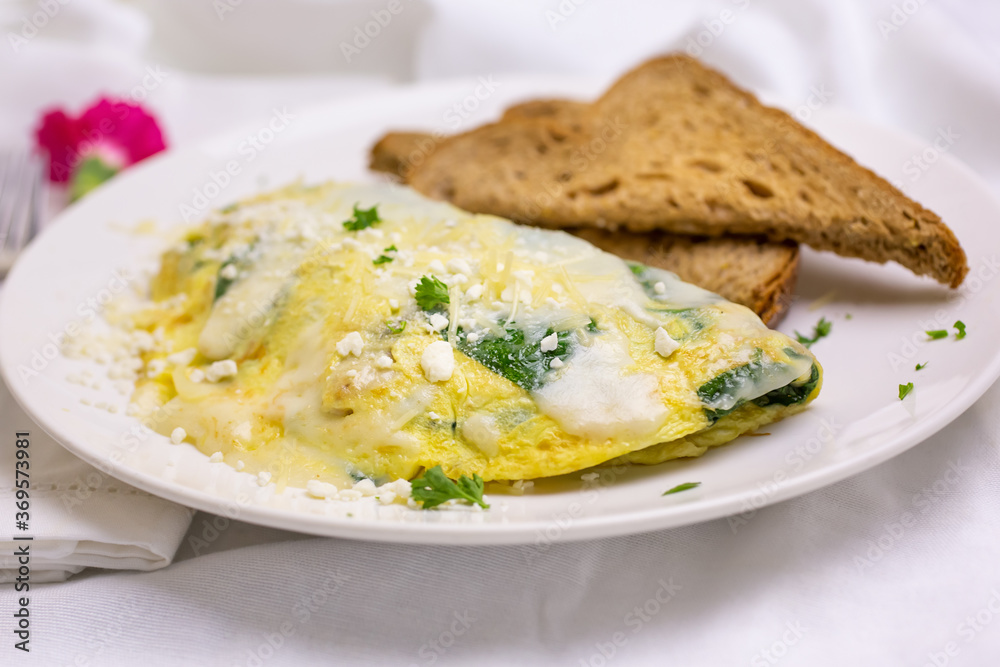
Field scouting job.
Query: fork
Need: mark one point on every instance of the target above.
(20, 204)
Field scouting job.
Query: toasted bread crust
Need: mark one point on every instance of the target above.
(675, 146)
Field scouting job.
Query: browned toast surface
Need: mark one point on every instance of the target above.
(675, 146)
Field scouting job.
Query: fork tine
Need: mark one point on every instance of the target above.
(6, 218)
(20, 205)
(33, 198)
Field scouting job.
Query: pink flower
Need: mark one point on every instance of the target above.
(112, 133)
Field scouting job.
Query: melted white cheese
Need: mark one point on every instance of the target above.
(591, 397)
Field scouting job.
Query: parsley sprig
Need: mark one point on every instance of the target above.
(362, 219)
(821, 330)
(396, 327)
(431, 294)
(905, 389)
(433, 488)
(922, 366)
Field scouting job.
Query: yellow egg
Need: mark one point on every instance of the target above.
(343, 331)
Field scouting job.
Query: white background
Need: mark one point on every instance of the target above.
(831, 578)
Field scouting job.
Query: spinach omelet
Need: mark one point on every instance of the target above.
(341, 332)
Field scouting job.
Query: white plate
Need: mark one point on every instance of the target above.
(856, 423)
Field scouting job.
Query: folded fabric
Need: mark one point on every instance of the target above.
(78, 516)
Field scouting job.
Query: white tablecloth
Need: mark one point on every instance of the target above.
(899, 565)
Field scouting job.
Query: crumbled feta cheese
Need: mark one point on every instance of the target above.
(664, 345)
(155, 367)
(221, 370)
(350, 344)
(524, 277)
(385, 361)
(436, 266)
(660, 288)
(240, 465)
(550, 342)
(229, 272)
(365, 487)
(182, 358)
(351, 373)
(263, 478)
(438, 361)
(216, 457)
(438, 321)
(394, 304)
(556, 363)
(196, 375)
(473, 338)
(459, 265)
(243, 432)
(474, 292)
(177, 435)
(318, 489)
(433, 415)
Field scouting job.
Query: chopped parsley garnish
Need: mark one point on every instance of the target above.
(682, 487)
(396, 328)
(362, 219)
(385, 259)
(937, 334)
(960, 326)
(821, 330)
(905, 389)
(920, 366)
(434, 488)
(431, 294)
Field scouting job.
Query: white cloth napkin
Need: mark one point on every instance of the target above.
(830, 578)
(78, 516)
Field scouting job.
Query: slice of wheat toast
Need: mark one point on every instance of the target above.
(750, 271)
(675, 146)
(399, 153)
